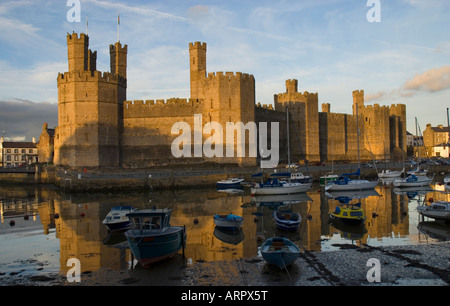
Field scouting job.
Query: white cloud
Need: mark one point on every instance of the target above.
(435, 79)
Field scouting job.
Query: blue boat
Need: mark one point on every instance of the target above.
(287, 220)
(228, 221)
(117, 219)
(279, 251)
(229, 183)
(151, 238)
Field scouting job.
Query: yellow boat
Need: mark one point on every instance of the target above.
(350, 213)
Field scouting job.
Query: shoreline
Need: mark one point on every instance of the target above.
(173, 178)
(412, 265)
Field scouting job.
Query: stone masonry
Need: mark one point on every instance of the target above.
(98, 127)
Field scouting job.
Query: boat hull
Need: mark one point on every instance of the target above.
(287, 221)
(352, 221)
(118, 226)
(280, 256)
(228, 221)
(351, 185)
(420, 182)
(289, 189)
(150, 248)
(437, 211)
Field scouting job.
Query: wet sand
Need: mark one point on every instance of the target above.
(413, 265)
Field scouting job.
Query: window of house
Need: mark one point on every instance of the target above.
(16, 150)
(23, 151)
(30, 151)
(8, 150)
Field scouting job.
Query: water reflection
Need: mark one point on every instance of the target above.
(76, 222)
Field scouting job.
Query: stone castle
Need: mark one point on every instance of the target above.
(98, 127)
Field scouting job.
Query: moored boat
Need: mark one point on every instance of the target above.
(275, 186)
(230, 183)
(390, 173)
(279, 251)
(412, 181)
(151, 238)
(439, 210)
(349, 213)
(287, 220)
(228, 221)
(345, 183)
(117, 219)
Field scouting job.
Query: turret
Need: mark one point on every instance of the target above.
(118, 56)
(197, 60)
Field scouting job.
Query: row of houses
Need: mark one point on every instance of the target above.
(15, 154)
(435, 142)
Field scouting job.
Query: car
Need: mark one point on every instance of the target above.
(367, 165)
(292, 166)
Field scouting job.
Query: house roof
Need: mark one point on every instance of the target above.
(19, 145)
(440, 129)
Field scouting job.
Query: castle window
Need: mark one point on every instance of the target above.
(193, 61)
(229, 103)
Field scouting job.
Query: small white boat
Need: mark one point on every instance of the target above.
(298, 177)
(117, 218)
(279, 251)
(439, 210)
(390, 173)
(345, 183)
(412, 181)
(417, 172)
(275, 186)
(229, 183)
(228, 221)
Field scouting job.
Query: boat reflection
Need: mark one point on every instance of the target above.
(229, 235)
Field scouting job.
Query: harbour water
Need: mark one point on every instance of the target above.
(42, 228)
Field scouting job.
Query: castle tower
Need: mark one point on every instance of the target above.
(358, 98)
(197, 60)
(118, 56)
(304, 113)
(89, 108)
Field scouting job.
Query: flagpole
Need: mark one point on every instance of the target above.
(86, 25)
(118, 24)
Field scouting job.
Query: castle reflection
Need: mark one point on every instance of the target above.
(77, 220)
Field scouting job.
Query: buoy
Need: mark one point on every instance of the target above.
(431, 200)
(12, 223)
(25, 217)
(56, 216)
(374, 215)
(309, 217)
(195, 221)
(82, 214)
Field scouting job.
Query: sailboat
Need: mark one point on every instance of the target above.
(280, 186)
(344, 182)
(415, 178)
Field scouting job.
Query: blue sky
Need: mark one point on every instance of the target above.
(328, 45)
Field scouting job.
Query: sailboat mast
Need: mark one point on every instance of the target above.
(288, 140)
(357, 132)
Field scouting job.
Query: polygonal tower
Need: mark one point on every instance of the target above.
(90, 107)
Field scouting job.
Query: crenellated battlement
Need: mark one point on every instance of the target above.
(90, 76)
(220, 75)
(174, 107)
(197, 45)
(74, 37)
(265, 106)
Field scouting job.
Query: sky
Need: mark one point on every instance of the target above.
(329, 46)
